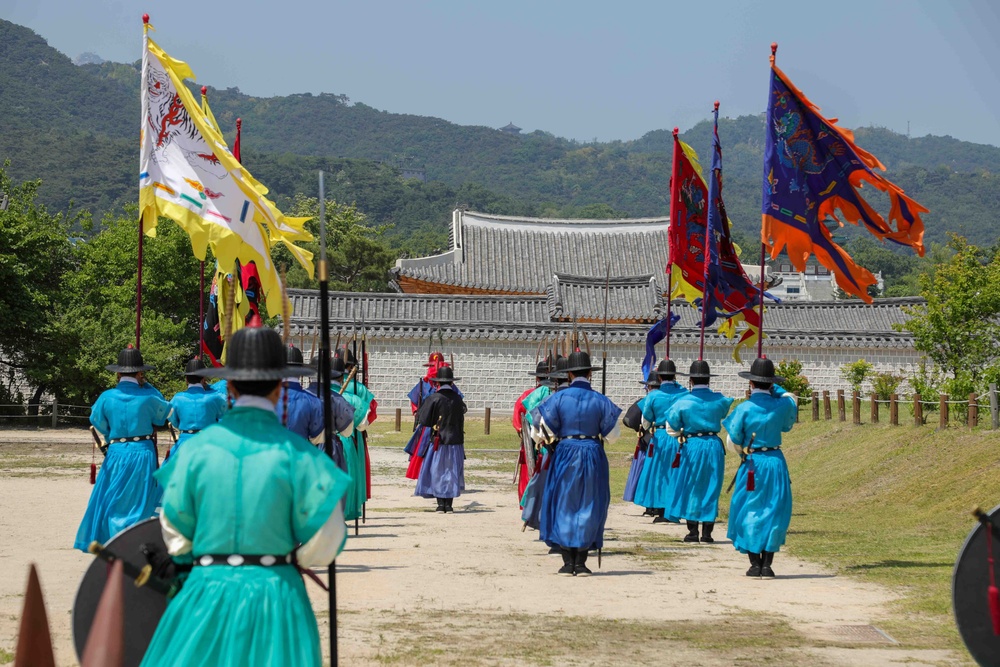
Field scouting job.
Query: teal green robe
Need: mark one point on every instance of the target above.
(246, 485)
(360, 398)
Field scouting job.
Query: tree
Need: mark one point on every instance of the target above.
(856, 373)
(795, 381)
(35, 252)
(958, 327)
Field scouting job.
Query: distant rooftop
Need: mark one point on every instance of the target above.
(510, 128)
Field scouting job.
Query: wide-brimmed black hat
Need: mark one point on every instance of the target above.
(193, 366)
(558, 371)
(652, 381)
(579, 362)
(347, 355)
(666, 367)
(762, 370)
(337, 368)
(293, 356)
(256, 353)
(542, 369)
(129, 361)
(445, 375)
(699, 370)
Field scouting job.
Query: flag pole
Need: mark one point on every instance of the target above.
(604, 353)
(763, 254)
(138, 273)
(324, 394)
(707, 255)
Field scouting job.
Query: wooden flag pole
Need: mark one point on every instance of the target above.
(763, 256)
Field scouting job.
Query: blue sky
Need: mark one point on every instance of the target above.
(581, 69)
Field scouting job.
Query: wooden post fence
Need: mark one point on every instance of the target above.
(486, 424)
(943, 410)
(994, 408)
(827, 414)
(973, 411)
(55, 413)
(894, 409)
(918, 411)
(856, 407)
(874, 410)
(815, 406)
(841, 408)
(399, 420)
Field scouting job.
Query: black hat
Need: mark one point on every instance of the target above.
(762, 370)
(542, 369)
(652, 381)
(699, 370)
(445, 375)
(293, 356)
(347, 355)
(193, 366)
(666, 367)
(579, 362)
(129, 361)
(337, 369)
(559, 370)
(256, 353)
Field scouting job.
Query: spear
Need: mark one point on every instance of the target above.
(604, 354)
(324, 393)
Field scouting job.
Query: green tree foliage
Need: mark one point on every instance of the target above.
(35, 252)
(885, 384)
(795, 381)
(958, 326)
(857, 373)
(96, 315)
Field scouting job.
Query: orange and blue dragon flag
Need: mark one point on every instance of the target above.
(812, 168)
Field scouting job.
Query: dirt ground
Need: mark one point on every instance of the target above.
(471, 588)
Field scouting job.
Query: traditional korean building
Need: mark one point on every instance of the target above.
(508, 288)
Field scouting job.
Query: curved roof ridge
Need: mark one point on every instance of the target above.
(561, 222)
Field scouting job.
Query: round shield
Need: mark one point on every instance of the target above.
(144, 605)
(969, 594)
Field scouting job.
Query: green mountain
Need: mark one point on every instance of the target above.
(74, 127)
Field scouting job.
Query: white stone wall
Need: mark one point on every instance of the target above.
(494, 374)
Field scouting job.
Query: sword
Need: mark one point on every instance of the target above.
(743, 460)
(97, 440)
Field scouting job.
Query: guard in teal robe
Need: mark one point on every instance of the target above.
(125, 491)
(246, 499)
(761, 506)
(653, 488)
(695, 419)
(196, 407)
(359, 398)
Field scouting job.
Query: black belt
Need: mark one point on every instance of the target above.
(137, 438)
(581, 437)
(237, 560)
(754, 450)
(190, 430)
(701, 434)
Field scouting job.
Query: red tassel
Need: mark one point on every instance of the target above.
(93, 473)
(677, 460)
(994, 597)
(750, 484)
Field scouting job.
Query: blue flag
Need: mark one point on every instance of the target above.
(656, 333)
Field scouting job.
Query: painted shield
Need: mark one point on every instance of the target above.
(969, 594)
(144, 605)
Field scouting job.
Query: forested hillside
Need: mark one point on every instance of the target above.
(75, 127)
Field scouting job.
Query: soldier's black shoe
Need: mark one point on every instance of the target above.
(692, 535)
(754, 570)
(706, 533)
(555, 550)
(649, 512)
(440, 507)
(767, 557)
(568, 566)
(447, 505)
(580, 568)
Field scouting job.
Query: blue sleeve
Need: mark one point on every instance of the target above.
(159, 411)
(174, 416)
(791, 410)
(343, 415)
(735, 427)
(315, 426)
(221, 405)
(674, 415)
(98, 419)
(778, 390)
(416, 393)
(549, 411)
(610, 418)
(647, 408)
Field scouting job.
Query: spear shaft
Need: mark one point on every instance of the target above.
(604, 353)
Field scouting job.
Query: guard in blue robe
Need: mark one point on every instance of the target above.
(194, 408)
(761, 507)
(654, 486)
(343, 411)
(301, 411)
(125, 491)
(576, 421)
(633, 420)
(442, 475)
(695, 420)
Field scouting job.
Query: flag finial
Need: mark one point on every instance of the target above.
(145, 19)
(774, 48)
(676, 131)
(204, 90)
(716, 105)
(239, 122)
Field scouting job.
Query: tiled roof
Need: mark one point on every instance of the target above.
(400, 316)
(634, 299)
(507, 254)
